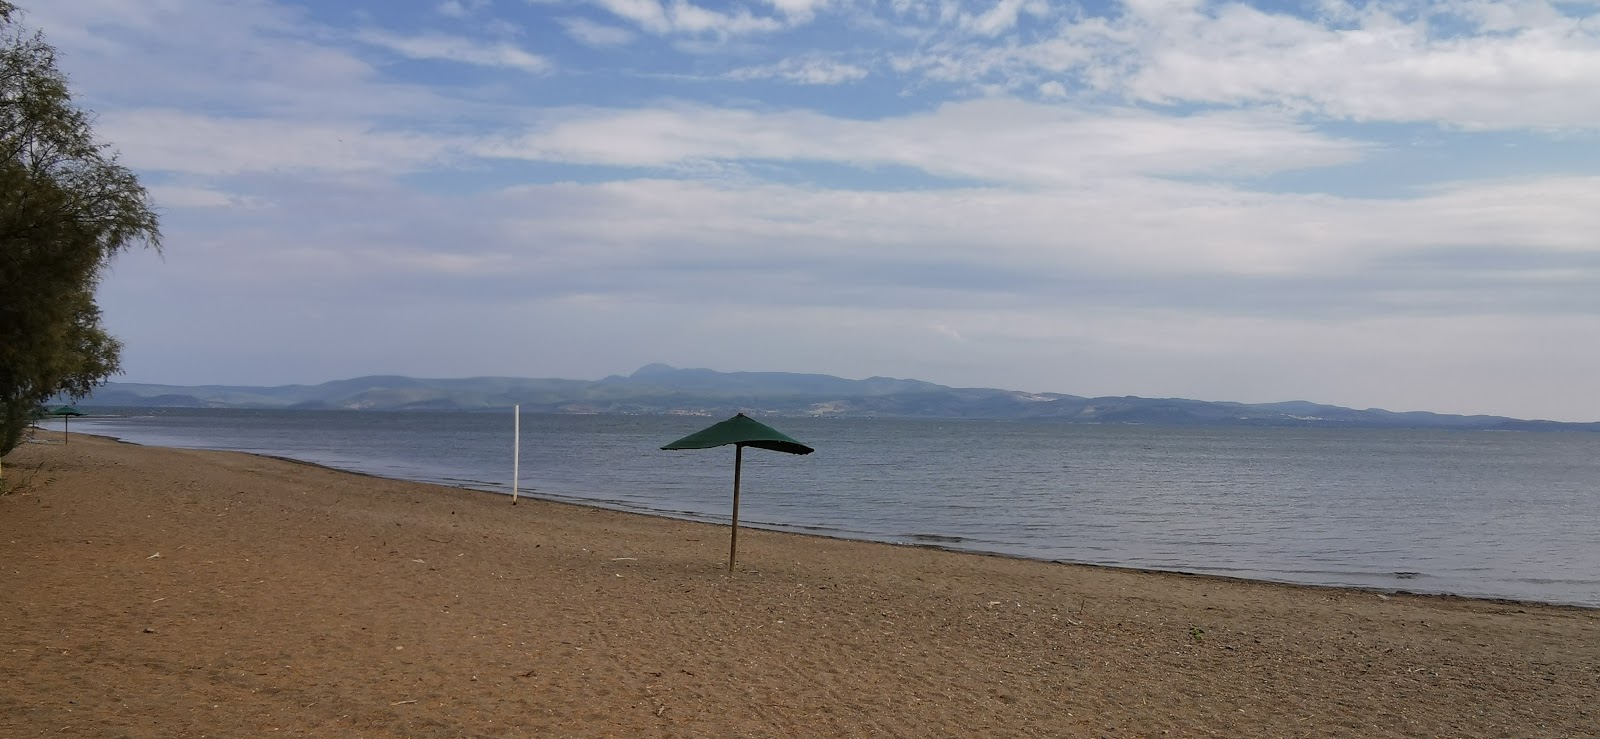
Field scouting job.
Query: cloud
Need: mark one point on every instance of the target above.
(1004, 141)
(179, 141)
(598, 35)
(457, 49)
(1360, 254)
(1000, 18)
(461, 8)
(252, 58)
(683, 17)
(799, 11)
(1506, 248)
(177, 196)
(811, 71)
(1463, 64)
(647, 14)
(1381, 69)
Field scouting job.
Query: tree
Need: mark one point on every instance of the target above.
(67, 207)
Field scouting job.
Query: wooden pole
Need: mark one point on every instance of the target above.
(516, 449)
(733, 539)
(66, 429)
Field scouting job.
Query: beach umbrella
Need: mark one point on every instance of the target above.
(740, 431)
(65, 413)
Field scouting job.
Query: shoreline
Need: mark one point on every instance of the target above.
(801, 531)
(174, 593)
(771, 528)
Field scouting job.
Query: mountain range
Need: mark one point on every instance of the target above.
(660, 389)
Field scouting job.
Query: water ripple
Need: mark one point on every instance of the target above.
(1507, 515)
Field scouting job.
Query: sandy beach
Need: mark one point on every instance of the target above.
(169, 593)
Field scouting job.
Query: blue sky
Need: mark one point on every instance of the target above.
(1389, 204)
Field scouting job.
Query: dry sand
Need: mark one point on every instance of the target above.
(166, 593)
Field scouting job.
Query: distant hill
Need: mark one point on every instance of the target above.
(660, 389)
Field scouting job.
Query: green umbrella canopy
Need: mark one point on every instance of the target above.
(742, 430)
(65, 413)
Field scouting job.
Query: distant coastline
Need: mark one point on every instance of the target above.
(658, 389)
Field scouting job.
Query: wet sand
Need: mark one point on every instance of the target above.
(154, 592)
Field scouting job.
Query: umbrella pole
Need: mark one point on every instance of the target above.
(733, 539)
(66, 429)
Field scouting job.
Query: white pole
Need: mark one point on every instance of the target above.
(516, 450)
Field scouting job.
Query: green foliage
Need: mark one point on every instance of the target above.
(66, 208)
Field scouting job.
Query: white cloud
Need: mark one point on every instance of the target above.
(1114, 246)
(178, 196)
(647, 14)
(1122, 229)
(460, 8)
(1521, 65)
(993, 140)
(810, 71)
(799, 11)
(177, 141)
(1000, 18)
(683, 17)
(251, 56)
(457, 49)
(690, 18)
(1383, 69)
(598, 35)
(395, 260)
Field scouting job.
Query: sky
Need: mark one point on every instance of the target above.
(1371, 204)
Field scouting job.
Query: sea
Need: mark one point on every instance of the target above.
(1512, 515)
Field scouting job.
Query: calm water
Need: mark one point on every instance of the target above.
(1511, 515)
